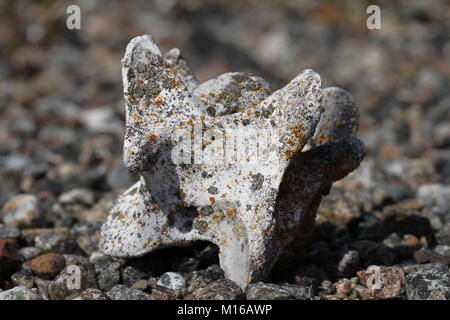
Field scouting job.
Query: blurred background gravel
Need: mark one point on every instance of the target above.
(62, 127)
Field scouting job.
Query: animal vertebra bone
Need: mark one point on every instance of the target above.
(252, 211)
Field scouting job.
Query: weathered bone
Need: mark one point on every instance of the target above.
(252, 211)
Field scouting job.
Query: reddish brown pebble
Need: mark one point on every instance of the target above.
(48, 265)
(160, 295)
(427, 256)
(411, 241)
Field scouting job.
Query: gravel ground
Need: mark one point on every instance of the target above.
(62, 127)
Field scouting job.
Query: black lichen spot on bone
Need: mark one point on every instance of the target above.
(213, 190)
(206, 211)
(153, 88)
(206, 175)
(211, 111)
(267, 112)
(257, 181)
(168, 83)
(200, 225)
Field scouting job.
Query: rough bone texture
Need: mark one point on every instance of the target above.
(255, 212)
